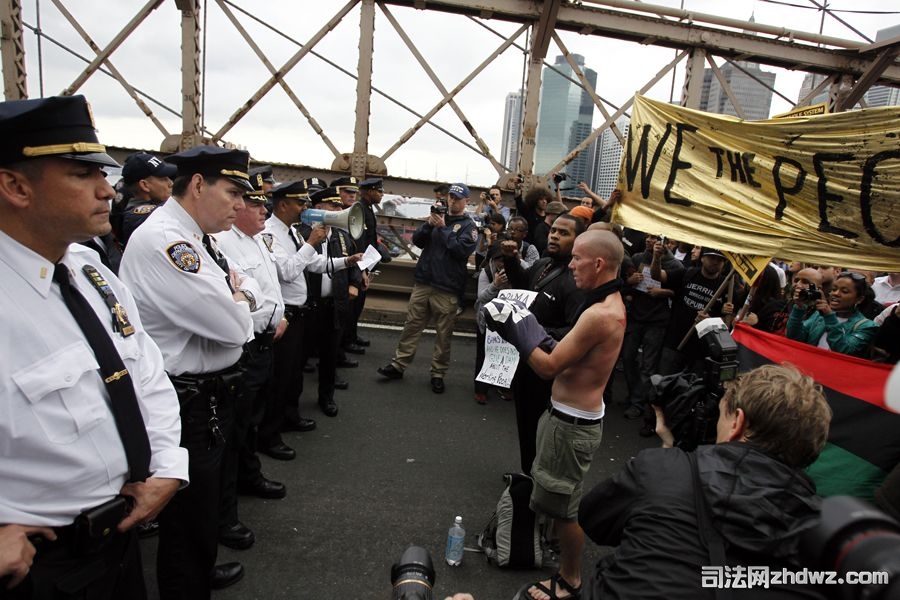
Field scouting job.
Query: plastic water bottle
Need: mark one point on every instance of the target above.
(456, 540)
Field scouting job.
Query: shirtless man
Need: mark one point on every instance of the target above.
(580, 365)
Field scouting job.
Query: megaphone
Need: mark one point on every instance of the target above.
(351, 219)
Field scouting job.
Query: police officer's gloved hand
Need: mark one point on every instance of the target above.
(517, 325)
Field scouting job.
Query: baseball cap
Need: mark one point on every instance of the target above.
(556, 208)
(705, 251)
(141, 165)
(459, 190)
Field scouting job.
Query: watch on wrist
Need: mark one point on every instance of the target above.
(251, 299)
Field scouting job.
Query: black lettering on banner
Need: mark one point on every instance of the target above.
(737, 167)
(631, 165)
(745, 265)
(780, 188)
(677, 164)
(819, 158)
(865, 196)
(749, 169)
(719, 166)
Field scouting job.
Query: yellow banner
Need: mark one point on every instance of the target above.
(748, 267)
(817, 189)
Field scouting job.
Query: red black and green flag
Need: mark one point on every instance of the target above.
(864, 439)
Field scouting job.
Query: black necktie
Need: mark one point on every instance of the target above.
(219, 258)
(123, 402)
(293, 233)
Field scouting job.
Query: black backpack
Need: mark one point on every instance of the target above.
(514, 537)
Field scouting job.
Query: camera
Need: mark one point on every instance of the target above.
(809, 295)
(412, 577)
(853, 536)
(559, 178)
(438, 209)
(690, 402)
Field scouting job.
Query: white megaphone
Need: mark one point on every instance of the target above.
(351, 219)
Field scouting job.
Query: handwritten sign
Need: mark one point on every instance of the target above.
(500, 357)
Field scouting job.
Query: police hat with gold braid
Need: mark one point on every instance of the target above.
(59, 126)
(214, 161)
(289, 190)
(257, 196)
(327, 195)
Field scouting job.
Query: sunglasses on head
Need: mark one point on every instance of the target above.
(852, 275)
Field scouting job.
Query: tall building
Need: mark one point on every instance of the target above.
(512, 130)
(754, 97)
(810, 82)
(883, 95)
(608, 158)
(565, 119)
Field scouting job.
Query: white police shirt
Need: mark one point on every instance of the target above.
(184, 299)
(60, 450)
(292, 262)
(257, 259)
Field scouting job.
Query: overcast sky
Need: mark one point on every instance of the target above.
(274, 130)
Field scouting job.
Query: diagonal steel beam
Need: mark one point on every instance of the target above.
(587, 86)
(290, 64)
(448, 97)
(112, 69)
(883, 60)
(612, 118)
(726, 86)
(443, 90)
(545, 28)
(13, 50)
(102, 55)
(284, 85)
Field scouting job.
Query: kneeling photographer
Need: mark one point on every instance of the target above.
(754, 499)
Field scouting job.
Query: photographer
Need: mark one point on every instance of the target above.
(836, 324)
(751, 486)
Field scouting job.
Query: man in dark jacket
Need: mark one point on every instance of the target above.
(753, 490)
(447, 239)
(556, 308)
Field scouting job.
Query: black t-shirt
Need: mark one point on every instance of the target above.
(693, 292)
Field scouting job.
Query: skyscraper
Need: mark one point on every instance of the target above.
(608, 158)
(754, 97)
(565, 119)
(883, 95)
(512, 130)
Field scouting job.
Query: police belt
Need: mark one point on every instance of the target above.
(204, 391)
(204, 380)
(261, 343)
(292, 311)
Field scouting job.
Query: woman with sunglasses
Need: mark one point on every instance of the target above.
(837, 324)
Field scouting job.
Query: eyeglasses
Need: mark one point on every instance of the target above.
(852, 275)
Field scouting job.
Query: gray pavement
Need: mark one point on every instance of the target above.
(392, 469)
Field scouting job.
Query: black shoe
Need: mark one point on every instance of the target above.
(309, 368)
(280, 452)
(328, 407)
(148, 529)
(347, 364)
(354, 349)
(226, 574)
(300, 424)
(437, 385)
(264, 488)
(390, 371)
(362, 342)
(237, 536)
(340, 384)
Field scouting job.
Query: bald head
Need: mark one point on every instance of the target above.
(804, 277)
(602, 244)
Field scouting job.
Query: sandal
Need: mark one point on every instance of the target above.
(557, 583)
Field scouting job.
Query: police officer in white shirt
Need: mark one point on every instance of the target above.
(90, 421)
(197, 307)
(245, 245)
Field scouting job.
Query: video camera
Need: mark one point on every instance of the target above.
(690, 402)
(439, 209)
(854, 536)
(412, 577)
(559, 178)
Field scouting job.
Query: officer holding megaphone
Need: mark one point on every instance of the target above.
(329, 287)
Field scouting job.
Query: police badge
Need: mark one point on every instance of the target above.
(184, 257)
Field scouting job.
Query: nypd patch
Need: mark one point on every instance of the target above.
(184, 257)
(268, 240)
(143, 209)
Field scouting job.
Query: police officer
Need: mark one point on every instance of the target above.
(90, 418)
(248, 247)
(330, 281)
(268, 177)
(292, 255)
(197, 307)
(347, 188)
(147, 182)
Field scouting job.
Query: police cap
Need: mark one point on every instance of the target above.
(216, 162)
(329, 194)
(372, 183)
(141, 165)
(60, 126)
(265, 171)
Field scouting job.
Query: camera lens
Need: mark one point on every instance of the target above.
(413, 575)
